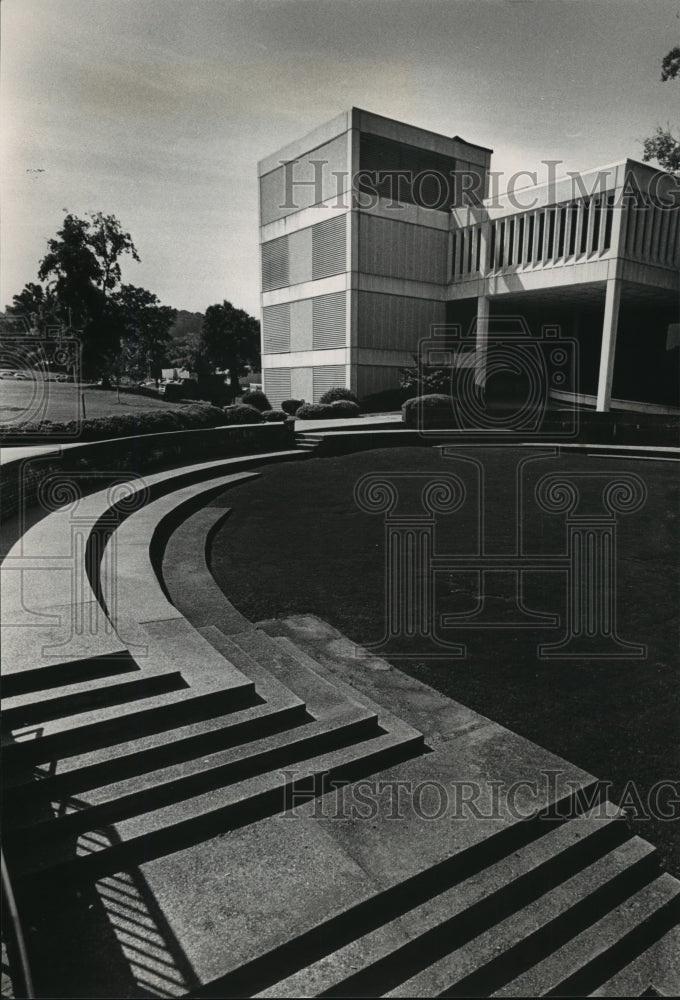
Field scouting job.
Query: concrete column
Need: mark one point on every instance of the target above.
(608, 349)
(482, 340)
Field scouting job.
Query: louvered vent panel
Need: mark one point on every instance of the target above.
(277, 385)
(329, 241)
(275, 264)
(327, 377)
(328, 321)
(276, 328)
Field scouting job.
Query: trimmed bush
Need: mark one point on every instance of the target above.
(291, 406)
(317, 411)
(434, 410)
(346, 408)
(335, 394)
(185, 418)
(241, 413)
(256, 398)
(275, 416)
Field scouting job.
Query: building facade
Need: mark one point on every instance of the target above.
(375, 233)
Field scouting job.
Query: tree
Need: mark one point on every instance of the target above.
(230, 338)
(39, 305)
(663, 146)
(145, 327)
(182, 354)
(83, 267)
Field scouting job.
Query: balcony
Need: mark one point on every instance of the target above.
(624, 222)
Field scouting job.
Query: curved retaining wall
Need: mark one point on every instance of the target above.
(20, 477)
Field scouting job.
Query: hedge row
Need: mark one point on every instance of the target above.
(191, 417)
(244, 413)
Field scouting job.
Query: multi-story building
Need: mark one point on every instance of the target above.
(375, 233)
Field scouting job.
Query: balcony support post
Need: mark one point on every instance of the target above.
(608, 349)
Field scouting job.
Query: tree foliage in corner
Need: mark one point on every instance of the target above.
(230, 339)
(663, 146)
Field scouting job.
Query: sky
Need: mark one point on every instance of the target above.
(157, 111)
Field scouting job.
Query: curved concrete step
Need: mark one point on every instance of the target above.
(19, 711)
(489, 960)
(187, 578)
(51, 612)
(276, 709)
(414, 931)
(102, 727)
(654, 972)
(134, 595)
(172, 827)
(179, 781)
(587, 960)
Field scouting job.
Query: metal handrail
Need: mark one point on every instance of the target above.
(23, 972)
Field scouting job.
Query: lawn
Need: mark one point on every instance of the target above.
(26, 401)
(297, 543)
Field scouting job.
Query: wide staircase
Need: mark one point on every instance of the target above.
(198, 805)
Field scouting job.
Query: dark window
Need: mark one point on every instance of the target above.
(584, 230)
(562, 225)
(405, 173)
(551, 234)
(573, 211)
(608, 221)
(597, 218)
(530, 247)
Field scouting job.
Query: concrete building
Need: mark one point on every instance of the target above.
(375, 233)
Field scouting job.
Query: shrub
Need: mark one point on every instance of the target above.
(256, 398)
(425, 380)
(346, 408)
(317, 411)
(241, 413)
(434, 410)
(334, 394)
(190, 417)
(291, 406)
(275, 416)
